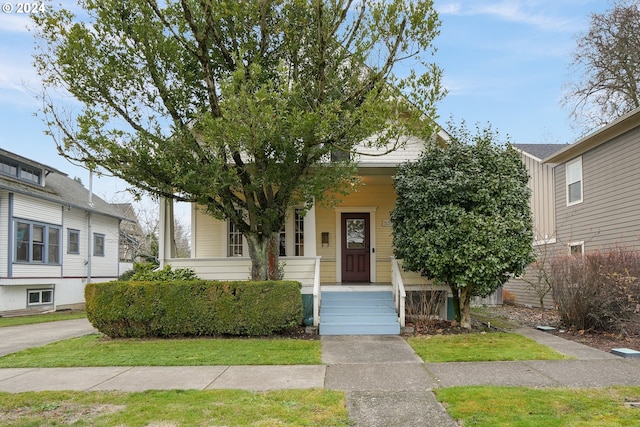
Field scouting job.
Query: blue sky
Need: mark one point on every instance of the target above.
(504, 63)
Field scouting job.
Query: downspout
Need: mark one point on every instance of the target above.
(89, 232)
(11, 242)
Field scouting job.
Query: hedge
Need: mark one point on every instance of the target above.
(193, 308)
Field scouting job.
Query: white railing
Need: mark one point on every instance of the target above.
(399, 293)
(317, 295)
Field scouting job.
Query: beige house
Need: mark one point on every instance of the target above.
(346, 247)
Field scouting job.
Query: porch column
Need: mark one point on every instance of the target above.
(166, 242)
(309, 222)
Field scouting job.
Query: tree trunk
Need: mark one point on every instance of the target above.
(456, 302)
(465, 303)
(264, 256)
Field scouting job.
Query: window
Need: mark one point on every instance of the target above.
(73, 241)
(576, 248)
(299, 232)
(282, 242)
(574, 181)
(235, 240)
(21, 171)
(39, 296)
(30, 174)
(37, 243)
(98, 244)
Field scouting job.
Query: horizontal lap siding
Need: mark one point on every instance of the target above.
(610, 212)
(33, 209)
(107, 265)
(208, 239)
(75, 265)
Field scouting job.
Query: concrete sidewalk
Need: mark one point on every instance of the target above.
(385, 382)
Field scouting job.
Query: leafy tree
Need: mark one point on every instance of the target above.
(462, 216)
(237, 105)
(606, 63)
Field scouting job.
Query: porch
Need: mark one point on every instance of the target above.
(336, 308)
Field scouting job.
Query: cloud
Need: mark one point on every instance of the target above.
(532, 13)
(14, 23)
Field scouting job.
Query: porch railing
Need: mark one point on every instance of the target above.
(317, 295)
(399, 293)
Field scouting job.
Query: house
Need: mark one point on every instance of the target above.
(328, 249)
(55, 237)
(596, 192)
(131, 236)
(543, 208)
(598, 188)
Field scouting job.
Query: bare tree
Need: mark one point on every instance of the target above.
(606, 67)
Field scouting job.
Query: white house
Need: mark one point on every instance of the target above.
(55, 237)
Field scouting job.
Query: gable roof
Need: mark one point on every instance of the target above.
(616, 128)
(539, 151)
(58, 188)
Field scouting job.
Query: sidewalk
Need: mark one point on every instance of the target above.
(385, 382)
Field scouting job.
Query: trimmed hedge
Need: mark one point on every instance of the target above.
(193, 308)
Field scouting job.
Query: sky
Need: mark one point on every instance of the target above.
(504, 62)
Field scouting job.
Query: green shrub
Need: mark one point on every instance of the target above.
(146, 271)
(193, 308)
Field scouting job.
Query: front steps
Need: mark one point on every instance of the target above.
(358, 313)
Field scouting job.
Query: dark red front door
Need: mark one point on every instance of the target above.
(356, 251)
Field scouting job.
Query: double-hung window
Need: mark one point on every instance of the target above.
(574, 181)
(98, 244)
(73, 241)
(36, 242)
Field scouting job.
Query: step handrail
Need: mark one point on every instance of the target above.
(399, 292)
(316, 293)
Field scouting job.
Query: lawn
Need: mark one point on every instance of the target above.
(41, 318)
(527, 407)
(97, 350)
(487, 347)
(175, 408)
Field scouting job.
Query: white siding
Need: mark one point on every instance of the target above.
(75, 265)
(105, 266)
(33, 209)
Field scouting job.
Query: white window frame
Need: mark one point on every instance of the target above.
(572, 245)
(577, 161)
(40, 293)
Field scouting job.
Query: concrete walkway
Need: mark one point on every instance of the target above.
(385, 382)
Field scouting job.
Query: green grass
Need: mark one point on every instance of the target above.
(175, 408)
(96, 350)
(41, 318)
(494, 346)
(526, 407)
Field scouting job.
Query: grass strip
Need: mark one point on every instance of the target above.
(97, 350)
(175, 408)
(527, 407)
(482, 347)
(41, 318)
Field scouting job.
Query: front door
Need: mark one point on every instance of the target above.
(356, 255)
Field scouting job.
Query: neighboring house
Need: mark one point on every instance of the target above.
(55, 237)
(597, 188)
(131, 236)
(543, 208)
(595, 195)
(348, 244)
